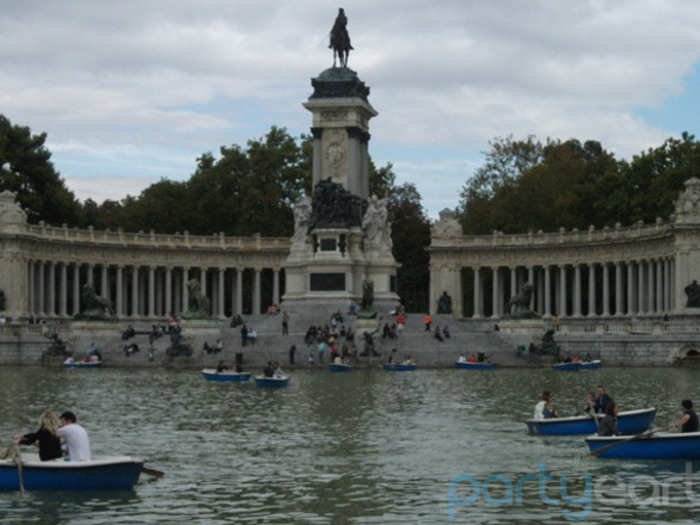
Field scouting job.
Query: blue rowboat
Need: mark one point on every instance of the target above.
(108, 473)
(475, 366)
(630, 422)
(663, 445)
(271, 382)
(340, 367)
(81, 364)
(567, 367)
(399, 368)
(590, 365)
(210, 374)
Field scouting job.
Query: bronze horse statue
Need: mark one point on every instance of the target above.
(340, 40)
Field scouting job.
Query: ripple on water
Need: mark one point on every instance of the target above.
(366, 447)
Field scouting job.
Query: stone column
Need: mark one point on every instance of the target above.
(547, 292)
(168, 291)
(41, 289)
(91, 275)
(577, 290)
(513, 282)
(239, 291)
(630, 289)
(203, 285)
(667, 285)
(256, 292)
(185, 290)
(618, 288)
(494, 293)
(63, 300)
(650, 287)
(151, 291)
(659, 285)
(641, 293)
(104, 286)
(591, 290)
(31, 303)
(540, 291)
(134, 291)
(220, 294)
(606, 290)
(51, 310)
(531, 282)
(120, 291)
(276, 286)
(562, 291)
(477, 293)
(76, 289)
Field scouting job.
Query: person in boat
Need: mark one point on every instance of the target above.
(46, 437)
(590, 402)
(544, 408)
(576, 359)
(461, 358)
(409, 361)
(338, 360)
(277, 370)
(75, 437)
(607, 425)
(689, 421)
(268, 371)
(94, 353)
(472, 359)
(602, 400)
(220, 367)
(69, 360)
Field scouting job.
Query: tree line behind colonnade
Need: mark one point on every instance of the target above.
(243, 191)
(527, 185)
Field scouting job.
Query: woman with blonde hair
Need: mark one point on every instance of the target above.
(47, 437)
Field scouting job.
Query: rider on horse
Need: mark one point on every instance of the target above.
(340, 40)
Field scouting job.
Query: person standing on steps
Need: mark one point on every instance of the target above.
(285, 323)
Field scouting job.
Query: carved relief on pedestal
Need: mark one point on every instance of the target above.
(336, 155)
(340, 114)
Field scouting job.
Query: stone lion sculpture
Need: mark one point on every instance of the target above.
(94, 306)
(519, 304)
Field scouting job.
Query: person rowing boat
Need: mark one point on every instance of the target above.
(689, 421)
(544, 408)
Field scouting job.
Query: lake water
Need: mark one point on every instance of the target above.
(364, 447)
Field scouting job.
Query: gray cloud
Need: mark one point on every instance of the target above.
(152, 76)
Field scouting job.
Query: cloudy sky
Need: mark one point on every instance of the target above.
(133, 91)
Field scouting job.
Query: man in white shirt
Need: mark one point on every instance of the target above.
(75, 438)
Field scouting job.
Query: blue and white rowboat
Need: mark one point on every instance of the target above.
(271, 382)
(210, 374)
(475, 366)
(108, 473)
(340, 367)
(567, 367)
(399, 368)
(590, 365)
(82, 364)
(663, 445)
(629, 422)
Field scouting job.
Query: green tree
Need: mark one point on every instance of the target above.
(26, 169)
(410, 234)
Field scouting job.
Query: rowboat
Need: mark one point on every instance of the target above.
(474, 366)
(83, 364)
(575, 366)
(340, 367)
(629, 422)
(399, 368)
(210, 374)
(271, 382)
(662, 445)
(107, 473)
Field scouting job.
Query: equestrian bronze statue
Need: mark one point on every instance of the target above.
(340, 40)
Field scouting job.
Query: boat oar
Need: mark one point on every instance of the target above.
(152, 472)
(12, 453)
(645, 434)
